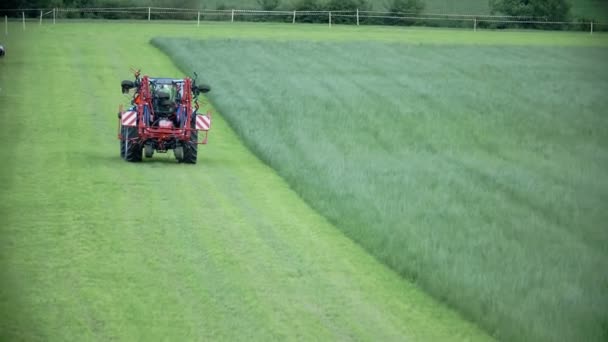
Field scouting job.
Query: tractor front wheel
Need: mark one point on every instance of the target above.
(148, 151)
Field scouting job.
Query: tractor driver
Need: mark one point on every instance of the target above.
(166, 99)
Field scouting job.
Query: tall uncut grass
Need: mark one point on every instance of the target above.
(478, 172)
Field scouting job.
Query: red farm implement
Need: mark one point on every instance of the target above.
(162, 116)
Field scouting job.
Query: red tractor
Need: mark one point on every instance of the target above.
(163, 116)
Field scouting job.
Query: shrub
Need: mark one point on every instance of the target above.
(552, 10)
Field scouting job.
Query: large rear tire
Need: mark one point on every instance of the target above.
(133, 149)
(191, 147)
(122, 142)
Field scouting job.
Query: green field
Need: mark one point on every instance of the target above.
(477, 172)
(94, 248)
(429, 134)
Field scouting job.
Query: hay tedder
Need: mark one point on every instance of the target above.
(163, 116)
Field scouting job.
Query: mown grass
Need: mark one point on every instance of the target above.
(479, 172)
(94, 248)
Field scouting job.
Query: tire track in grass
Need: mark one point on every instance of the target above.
(90, 122)
(13, 91)
(209, 257)
(179, 280)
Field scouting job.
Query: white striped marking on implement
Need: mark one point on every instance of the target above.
(203, 122)
(129, 118)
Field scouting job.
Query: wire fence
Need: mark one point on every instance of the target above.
(352, 17)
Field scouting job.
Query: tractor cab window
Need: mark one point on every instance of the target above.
(165, 99)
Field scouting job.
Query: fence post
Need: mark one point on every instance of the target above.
(232, 17)
(330, 19)
(474, 24)
(357, 17)
(294, 17)
(198, 19)
(40, 18)
(23, 14)
(53, 16)
(149, 11)
(592, 27)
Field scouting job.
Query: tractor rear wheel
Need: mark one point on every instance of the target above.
(133, 150)
(122, 143)
(190, 149)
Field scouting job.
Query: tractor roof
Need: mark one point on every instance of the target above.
(162, 80)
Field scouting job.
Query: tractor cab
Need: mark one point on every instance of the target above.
(165, 98)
